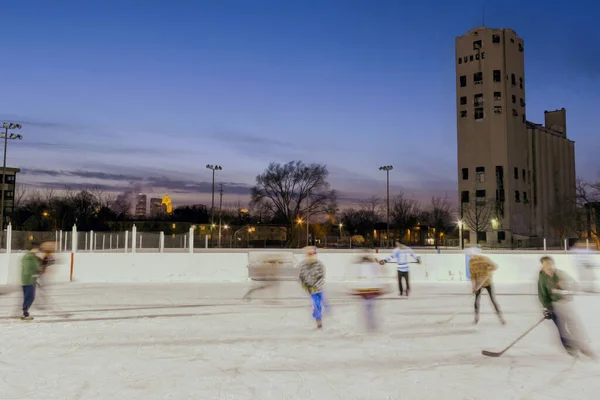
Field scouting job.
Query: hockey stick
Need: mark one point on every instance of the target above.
(498, 354)
(445, 321)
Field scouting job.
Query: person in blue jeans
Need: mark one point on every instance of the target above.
(312, 278)
(31, 266)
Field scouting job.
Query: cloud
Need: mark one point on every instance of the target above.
(79, 179)
(258, 146)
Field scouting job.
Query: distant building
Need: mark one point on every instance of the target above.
(140, 205)
(9, 193)
(156, 206)
(520, 171)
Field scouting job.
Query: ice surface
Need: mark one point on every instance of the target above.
(201, 341)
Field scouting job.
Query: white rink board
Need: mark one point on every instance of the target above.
(201, 341)
(233, 267)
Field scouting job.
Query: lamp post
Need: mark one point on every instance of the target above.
(212, 205)
(7, 126)
(220, 206)
(387, 169)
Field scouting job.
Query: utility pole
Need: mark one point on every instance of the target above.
(220, 206)
(5, 136)
(387, 169)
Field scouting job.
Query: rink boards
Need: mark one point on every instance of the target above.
(238, 267)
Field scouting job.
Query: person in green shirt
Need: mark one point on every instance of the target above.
(555, 296)
(31, 266)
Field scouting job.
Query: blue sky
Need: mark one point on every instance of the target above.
(143, 94)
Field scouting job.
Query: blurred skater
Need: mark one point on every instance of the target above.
(31, 266)
(47, 249)
(369, 288)
(401, 254)
(268, 274)
(481, 269)
(312, 278)
(556, 299)
(586, 266)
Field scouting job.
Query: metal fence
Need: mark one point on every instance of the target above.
(157, 241)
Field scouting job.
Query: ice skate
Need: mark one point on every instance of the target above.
(502, 320)
(319, 324)
(476, 321)
(26, 318)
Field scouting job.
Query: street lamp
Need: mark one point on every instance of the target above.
(7, 126)
(387, 169)
(212, 206)
(460, 227)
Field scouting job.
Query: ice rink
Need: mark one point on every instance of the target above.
(201, 341)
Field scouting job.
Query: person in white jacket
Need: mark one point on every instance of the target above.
(369, 287)
(586, 266)
(402, 255)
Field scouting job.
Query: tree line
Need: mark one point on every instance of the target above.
(285, 195)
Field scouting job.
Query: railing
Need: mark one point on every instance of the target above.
(132, 241)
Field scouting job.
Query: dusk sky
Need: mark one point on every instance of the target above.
(124, 93)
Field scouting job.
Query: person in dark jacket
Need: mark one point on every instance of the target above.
(556, 300)
(31, 266)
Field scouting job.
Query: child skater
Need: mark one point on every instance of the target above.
(312, 278)
(369, 288)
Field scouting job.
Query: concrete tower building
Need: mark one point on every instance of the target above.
(511, 173)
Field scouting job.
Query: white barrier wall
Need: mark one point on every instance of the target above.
(232, 267)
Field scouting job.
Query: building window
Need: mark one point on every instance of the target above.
(463, 114)
(512, 40)
(524, 119)
(465, 174)
(478, 78)
(525, 199)
(521, 82)
(463, 81)
(464, 196)
(495, 38)
(497, 109)
(517, 196)
(477, 45)
(480, 171)
(9, 194)
(513, 79)
(523, 176)
(516, 173)
(514, 99)
(497, 96)
(463, 100)
(520, 46)
(529, 176)
(460, 60)
(478, 99)
(515, 113)
(501, 236)
(522, 102)
(497, 75)
(10, 179)
(479, 113)
(480, 194)
(8, 210)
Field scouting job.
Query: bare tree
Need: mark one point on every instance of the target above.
(439, 216)
(102, 197)
(374, 207)
(404, 213)
(477, 216)
(587, 198)
(22, 193)
(562, 217)
(292, 191)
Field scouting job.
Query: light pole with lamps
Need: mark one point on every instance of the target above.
(220, 206)
(212, 204)
(7, 126)
(387, 169)
(462, 233)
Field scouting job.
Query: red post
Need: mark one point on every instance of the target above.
(72, 263)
